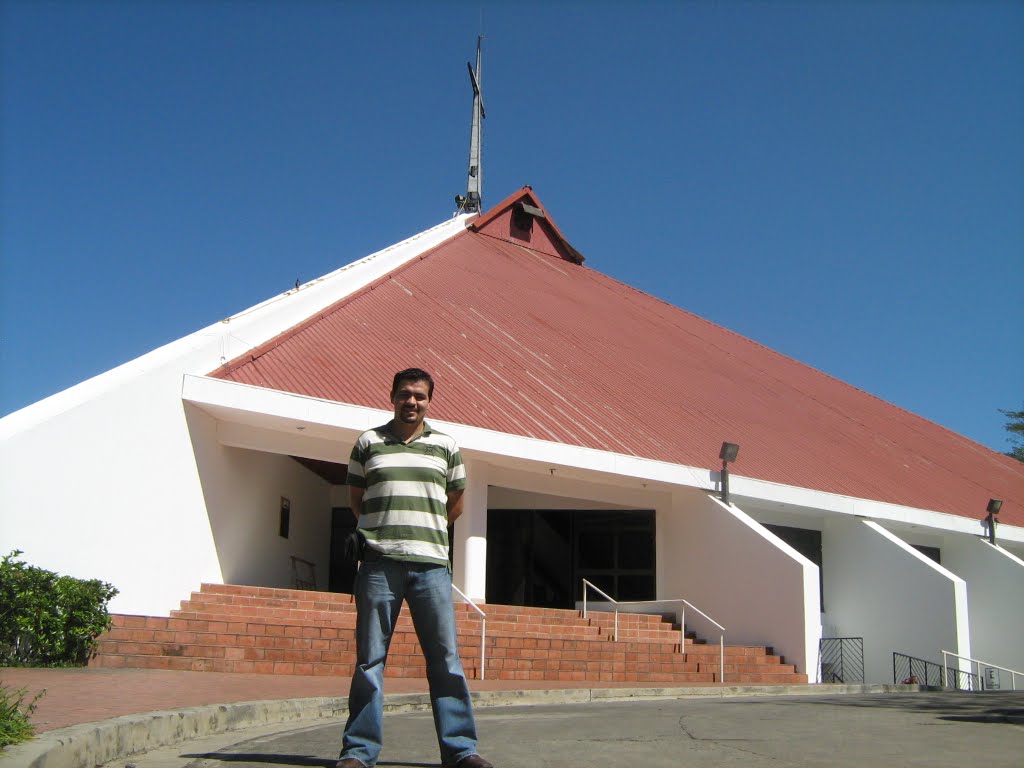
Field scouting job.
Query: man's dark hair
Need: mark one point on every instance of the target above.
(413, 374)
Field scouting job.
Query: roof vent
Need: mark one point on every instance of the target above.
(524, 214)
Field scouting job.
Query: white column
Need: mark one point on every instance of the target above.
(470, 545)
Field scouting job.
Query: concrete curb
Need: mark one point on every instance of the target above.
(92, 744)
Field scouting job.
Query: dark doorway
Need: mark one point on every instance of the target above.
(538, 557)
(342, 577)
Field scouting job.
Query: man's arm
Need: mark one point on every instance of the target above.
(356, 500)
(454, 505)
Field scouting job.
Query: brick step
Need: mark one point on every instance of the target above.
(273, 593)
(284, 631)
(502, 669)
(303, 596)
(342, 651)
(180, 632)
(466, 620)
(414, 669)
(496, 671)
(195, 608)
(401, 654)
(411, 666)
(468, 624)
(748, 652)
(748, 669)
(301, 600)
(150, 642)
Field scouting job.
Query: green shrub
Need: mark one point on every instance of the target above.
(14, 715)
(47, 619)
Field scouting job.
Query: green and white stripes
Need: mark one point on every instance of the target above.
(406, 488)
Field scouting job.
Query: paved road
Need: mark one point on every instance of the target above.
(926, 729)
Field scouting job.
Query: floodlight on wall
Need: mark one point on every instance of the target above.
(728, 453)
(994, 505)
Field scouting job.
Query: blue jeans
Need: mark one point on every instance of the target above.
(381, 586)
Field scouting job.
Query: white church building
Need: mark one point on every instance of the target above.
(591, 418)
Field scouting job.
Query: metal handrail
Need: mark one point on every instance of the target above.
(483, 632)
(682, 621)
(979, 662)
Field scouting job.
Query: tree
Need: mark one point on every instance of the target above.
(1015, 426)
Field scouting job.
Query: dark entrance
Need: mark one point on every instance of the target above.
(538, 557)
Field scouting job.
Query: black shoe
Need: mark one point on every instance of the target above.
(350, 762)
(471, 761)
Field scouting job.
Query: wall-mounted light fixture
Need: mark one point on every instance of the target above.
(994, 505)
(728, 453)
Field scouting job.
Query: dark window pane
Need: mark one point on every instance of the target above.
(636, 587)
(603, 581)
(636, 550)
(932, 552)
(597, 549)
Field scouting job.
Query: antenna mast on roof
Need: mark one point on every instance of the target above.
(473, 200)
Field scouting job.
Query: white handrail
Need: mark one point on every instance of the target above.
(483, 632)
(682, 621)
(979, 662)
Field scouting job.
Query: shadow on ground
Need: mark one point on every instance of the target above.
(976, 707)
(305, 761)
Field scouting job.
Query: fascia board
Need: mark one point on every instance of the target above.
(740, 487)
(210, 347)
(221, 398)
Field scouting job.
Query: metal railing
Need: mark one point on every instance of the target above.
(483, 632)
(682, 621)
(910, 670)
(841, 660)
(303, 573)
(979, 662)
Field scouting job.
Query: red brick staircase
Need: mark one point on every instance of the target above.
(229, 628)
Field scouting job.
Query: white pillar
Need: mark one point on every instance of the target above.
(470, 545)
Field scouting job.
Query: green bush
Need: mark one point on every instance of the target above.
(47, 619)
(14, 715)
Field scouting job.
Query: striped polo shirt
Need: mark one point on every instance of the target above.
(406, 488)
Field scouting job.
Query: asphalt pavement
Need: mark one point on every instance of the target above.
(929, 728)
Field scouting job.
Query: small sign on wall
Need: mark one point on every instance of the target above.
(991, 679)
(286, 518)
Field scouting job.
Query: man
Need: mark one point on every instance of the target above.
(406, 481)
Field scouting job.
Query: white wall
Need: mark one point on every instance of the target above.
(242, 493)
(759, 588)
(995, 593)
(129, 488)
(880, 588)
(564, 489)
(108, 489)
(513, 498)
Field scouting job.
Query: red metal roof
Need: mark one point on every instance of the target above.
(523, 339)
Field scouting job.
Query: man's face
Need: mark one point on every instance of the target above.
(411, 401)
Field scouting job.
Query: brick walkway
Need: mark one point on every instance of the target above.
(84, 695)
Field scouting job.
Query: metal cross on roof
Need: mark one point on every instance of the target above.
(473, 201)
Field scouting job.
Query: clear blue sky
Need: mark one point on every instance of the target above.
(842, 182)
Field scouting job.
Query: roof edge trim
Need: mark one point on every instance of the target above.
(367, 273)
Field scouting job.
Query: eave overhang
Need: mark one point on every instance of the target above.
(257, 418)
